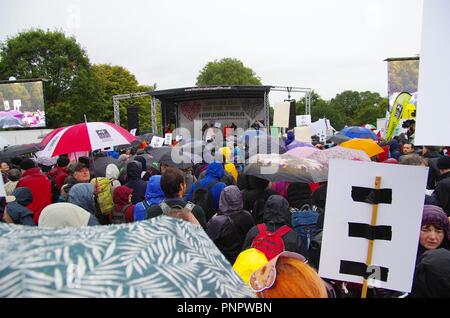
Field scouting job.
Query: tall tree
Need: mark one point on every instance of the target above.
(58, 59)
(227, 71)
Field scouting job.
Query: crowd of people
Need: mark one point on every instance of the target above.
(270, 232)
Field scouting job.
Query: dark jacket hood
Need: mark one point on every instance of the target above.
(133, 171)
(276, 211)
(230, 200)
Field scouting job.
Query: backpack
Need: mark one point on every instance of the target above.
(119, 217)
(202, 197)
(104, 194)
(304, 222)
(166, 208)
(270, 243)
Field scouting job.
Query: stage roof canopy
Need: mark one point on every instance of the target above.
(211, 92)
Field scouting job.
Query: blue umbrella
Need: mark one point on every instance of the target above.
(358, 132)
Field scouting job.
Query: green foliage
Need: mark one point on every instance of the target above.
(347, 108)
(227, 71)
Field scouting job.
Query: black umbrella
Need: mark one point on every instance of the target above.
(134, 144)
(337, 139)
(19, 150)
(101, 163)
(179, 160)
(265, 145)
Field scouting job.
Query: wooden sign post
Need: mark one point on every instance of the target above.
(373, 222)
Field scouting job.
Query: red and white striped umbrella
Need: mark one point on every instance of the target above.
(87, 137)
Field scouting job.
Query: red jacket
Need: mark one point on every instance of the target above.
(41, 190)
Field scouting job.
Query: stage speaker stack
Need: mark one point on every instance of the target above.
(133, 118)
(292, 115)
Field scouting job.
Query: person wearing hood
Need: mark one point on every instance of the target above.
(16, 211)
(112, 173)
(82, 195)
(394, 148)
(276, 214)
(214, 173)
(123, 208)
(432, 275)
(143, 163)
(38, 183)
(154, 195)
(135, 182)
(434, 230)
(60, 215)
(290, 138)
(230, 225)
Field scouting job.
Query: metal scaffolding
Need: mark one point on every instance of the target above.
(289, 90)
(118, 98)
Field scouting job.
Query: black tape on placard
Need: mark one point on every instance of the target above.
(361, 269)
(378, 232)
(372, 196)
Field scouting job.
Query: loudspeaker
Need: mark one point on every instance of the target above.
(292, 115)
(133, 118)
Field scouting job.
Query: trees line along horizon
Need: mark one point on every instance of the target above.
(72, 82)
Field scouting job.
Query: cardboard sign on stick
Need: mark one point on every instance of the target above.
(168, 139)
(348, 230)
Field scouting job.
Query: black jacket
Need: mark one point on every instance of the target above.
(432, 275)
(433, 171)
(197, 211)
(233, 233)
(276, 214)
(442, 192)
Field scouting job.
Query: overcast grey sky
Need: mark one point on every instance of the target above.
(327, 45)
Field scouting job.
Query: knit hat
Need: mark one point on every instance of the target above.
(434, 215)
(443, 162)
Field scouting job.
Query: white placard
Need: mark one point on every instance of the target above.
(178, 137)
(404, 215)
(6, 105)
(168, 139)
(157, 142)
(281, 115)
(303, 134)
(133, 131)
(17, 104)
(432, 126)
(303, 120)
(320, 129)
(218, 125)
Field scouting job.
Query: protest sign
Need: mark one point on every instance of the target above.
(432, 126)
(349, 227)
(303, 120)
(157, 142)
